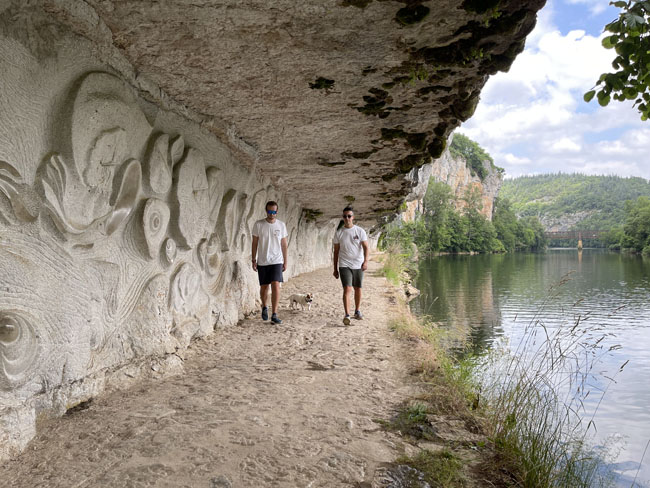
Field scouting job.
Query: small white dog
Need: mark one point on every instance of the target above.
(302, 299)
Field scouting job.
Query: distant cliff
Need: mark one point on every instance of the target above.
(455, 172)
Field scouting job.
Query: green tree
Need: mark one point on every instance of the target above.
(438, 204)
(613, 238)
(505, 223)
(631, 77)
(536, 241)
(637, 225)
(474, 155)
(458, 232)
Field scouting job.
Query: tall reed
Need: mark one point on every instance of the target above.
(536, 397)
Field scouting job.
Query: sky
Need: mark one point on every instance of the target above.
(533, 119)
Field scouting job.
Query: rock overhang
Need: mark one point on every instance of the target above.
(335, 101)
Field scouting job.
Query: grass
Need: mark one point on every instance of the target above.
(394, 267)
(529, 401)
(413, 421)
(440, 469)
(536, 397)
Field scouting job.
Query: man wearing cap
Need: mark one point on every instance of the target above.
(269, 255)
(350, 261)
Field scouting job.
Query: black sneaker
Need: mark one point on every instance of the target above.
(265, 313)
(275, 319)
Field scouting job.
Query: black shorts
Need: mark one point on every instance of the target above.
(269, 274)
(351, 277)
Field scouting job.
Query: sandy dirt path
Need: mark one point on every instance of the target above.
(259, 405)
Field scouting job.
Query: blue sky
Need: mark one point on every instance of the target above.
(533, 119)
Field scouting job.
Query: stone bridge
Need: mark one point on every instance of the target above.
(575, 234)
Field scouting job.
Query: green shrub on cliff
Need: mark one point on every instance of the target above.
(474, 155)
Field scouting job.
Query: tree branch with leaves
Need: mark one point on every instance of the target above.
(630, 38)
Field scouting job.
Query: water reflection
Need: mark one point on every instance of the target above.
(487, 297)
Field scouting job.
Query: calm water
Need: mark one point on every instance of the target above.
(492, 297)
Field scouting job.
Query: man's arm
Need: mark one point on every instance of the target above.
(366, 251)
(254, 252)
(283, 243)
(337, 247)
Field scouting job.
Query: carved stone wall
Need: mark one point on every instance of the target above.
(124, 232)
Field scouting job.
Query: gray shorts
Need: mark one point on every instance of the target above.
(351, 277)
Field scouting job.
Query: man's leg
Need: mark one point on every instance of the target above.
(357, 282)
(345, 274)
(275, 295)
(346, 299)
(264, 293)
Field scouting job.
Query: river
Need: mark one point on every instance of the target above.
(489, 298)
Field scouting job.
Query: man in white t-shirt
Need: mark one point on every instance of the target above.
(350, 261)
(269, 255)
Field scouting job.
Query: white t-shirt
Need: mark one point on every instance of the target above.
(350, 250)
(269, 246)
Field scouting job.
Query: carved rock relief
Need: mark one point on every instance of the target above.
(49, 313)
(126, 244)
(190, 304)
(20, 198)
(18, 347)
(89, 193)
(192, 197)
(154, 222)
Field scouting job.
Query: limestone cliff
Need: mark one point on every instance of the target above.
(140, 140)
(329, 99)
(454, 172)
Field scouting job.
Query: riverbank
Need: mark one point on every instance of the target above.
(301, 404)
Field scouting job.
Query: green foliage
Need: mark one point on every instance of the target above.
(474, 155)
(600, 200)
(441, 228)
(437, 208)
(637, 225)
(534, 397)
(412, 420)
(630, 79)
(394, 266)
(526, 234)
(398, 239)
(439, 469)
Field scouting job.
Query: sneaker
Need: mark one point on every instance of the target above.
(346, 320)
(265, 313)
(275, 319)
(358, 315)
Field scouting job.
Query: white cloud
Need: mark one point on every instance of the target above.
(595, 6)
(533, 119)
(565, 145)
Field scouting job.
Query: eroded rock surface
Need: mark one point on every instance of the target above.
(329, 98)
(139, 141)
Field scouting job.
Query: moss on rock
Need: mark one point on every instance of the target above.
(412, 14)
(322, 84)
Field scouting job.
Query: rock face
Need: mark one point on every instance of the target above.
(124, 234)
(330, 99)
(454, 172)
(140, 140)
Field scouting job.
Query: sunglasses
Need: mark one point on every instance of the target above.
(272, 212)
(348, 216)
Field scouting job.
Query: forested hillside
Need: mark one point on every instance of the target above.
(574, 201)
